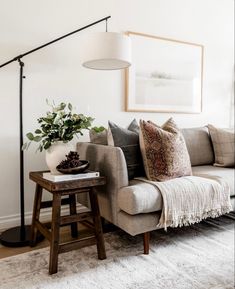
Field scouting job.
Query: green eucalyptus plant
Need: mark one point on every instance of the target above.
(59, 124)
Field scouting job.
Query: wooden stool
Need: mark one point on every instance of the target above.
(59, 189)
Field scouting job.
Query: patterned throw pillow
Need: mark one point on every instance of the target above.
(164, 151)
(128, 141)
(223, 144)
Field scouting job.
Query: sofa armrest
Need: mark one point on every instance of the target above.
(110, 162)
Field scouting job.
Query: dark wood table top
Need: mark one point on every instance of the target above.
(68, 185)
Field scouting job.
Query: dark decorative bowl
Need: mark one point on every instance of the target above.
(77, 170)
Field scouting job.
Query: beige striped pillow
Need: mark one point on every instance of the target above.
(223, 144)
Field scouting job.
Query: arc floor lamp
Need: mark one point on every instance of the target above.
(104, 51)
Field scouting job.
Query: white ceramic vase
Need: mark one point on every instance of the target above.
(56, 153)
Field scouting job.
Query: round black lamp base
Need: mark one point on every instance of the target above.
(16, 237)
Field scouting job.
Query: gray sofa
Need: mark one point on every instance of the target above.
(135, 206)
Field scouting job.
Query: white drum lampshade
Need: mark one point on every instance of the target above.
(107, 51)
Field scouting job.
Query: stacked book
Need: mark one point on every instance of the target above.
(68, 177)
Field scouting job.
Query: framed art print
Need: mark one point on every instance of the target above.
(165, 75)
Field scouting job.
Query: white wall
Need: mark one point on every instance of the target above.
(55, 72)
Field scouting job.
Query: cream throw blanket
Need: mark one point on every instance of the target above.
(188, 200)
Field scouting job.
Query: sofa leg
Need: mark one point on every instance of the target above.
(146, 236)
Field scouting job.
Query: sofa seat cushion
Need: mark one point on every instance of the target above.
(226, 173)
(139, 198)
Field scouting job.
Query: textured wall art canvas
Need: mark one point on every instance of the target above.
(165, 75)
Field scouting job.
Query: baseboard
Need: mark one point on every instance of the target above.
(45, 216)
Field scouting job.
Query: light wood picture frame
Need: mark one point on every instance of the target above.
(166, 75)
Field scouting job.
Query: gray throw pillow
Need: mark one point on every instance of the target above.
(128, 141)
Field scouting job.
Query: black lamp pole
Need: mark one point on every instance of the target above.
(20, 236)
(22, 220)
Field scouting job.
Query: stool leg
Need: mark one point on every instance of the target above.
(97, 224)
(55, 230)
(73, 211)
(36, 214)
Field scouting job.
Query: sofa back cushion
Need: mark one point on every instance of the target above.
(199, 146)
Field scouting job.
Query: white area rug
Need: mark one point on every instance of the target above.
(199, 256)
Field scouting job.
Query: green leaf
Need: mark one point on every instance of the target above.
(40, 148)
(62, 105)
(30, 136)
(37, 138)
(70, 107)
(24, 146)
(98, 129)
(38, 131)
(47, 145)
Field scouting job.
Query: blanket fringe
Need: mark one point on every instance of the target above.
(187, 220)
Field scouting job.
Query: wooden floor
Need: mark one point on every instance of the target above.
(65, 236)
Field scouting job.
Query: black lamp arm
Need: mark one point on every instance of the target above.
(55, 40)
